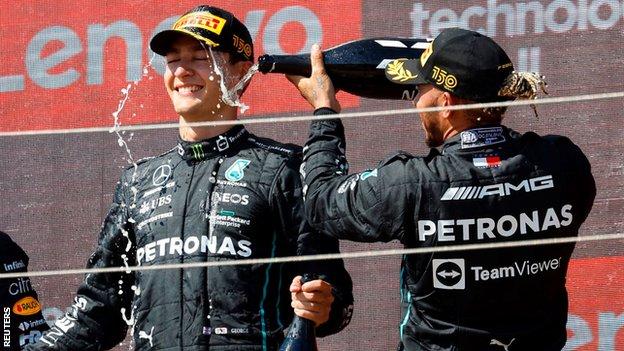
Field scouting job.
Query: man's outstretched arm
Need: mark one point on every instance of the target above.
(95, 321)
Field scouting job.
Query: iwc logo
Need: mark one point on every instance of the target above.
(449, 274)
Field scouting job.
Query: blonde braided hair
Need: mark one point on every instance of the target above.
(518, 85)
(523, 85)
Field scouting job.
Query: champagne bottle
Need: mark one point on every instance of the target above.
(357, 67)
(301, 334)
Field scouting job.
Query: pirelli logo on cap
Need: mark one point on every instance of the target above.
(205, 20)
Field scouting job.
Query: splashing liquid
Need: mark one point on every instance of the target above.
(238, 88)
(122, 102)
(129, 243)
(136, 290)
(129, 320)
(232, 96)
(120, 140)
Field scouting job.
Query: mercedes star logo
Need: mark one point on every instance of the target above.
(161, 175)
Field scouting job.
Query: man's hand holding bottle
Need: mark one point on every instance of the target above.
(312, 300)
(318, 89)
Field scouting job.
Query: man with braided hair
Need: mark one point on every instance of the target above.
(482, 183)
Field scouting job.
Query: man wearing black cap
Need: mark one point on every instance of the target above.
(485, 184)
(221, 194)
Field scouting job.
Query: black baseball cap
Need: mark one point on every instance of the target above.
(462, 62)
(211, 25)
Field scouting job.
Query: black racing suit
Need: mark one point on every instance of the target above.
(235, 196)
(486, 185)
(22, 320)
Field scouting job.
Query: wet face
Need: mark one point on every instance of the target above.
(191, 79)
(432, 122)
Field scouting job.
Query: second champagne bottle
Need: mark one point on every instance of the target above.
(301, 333)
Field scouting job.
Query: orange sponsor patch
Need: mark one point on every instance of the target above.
(26, 306)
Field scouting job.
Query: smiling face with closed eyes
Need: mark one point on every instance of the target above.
(191, 81)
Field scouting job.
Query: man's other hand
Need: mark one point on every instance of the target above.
(311, 300)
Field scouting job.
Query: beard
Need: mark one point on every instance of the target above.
(433, 134)
(433, 142)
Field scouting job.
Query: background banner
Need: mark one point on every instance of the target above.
(84, 55)
(70, 64)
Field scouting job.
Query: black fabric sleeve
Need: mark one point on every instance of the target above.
(288, 208)
(367, 206)
(95, 320)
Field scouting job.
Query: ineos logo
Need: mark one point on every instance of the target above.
(161, 175)
(231, 198)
